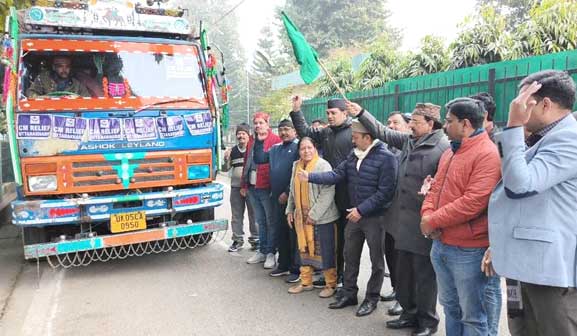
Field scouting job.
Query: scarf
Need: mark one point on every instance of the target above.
(362, 154)
(305, 233)
(455, 145)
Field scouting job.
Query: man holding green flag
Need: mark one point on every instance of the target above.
(335, 140)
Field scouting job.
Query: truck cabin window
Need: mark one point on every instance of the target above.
(110, 75)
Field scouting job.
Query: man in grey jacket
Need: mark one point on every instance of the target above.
(532, 210)
(416, 281)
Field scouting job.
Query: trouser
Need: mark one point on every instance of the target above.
(493, 301)
(330, 275)
(546, 311)
(260, 201)
(462, 286)
(341, 224)
(417, 288)
(390, 257)
(238, 204)
(371, 230)
(285, 240)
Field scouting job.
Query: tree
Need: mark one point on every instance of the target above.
(433, 57)
(277, 103)
(5, 8)
(268, 62)
(483, 39)
(342, 72)
(329, 24)
(551, 27)
(515, 11)
(223, 32)
(383, 65)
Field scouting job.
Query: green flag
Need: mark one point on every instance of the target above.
(305, 54)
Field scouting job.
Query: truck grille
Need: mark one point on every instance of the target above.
(99, 173)
(93, 173)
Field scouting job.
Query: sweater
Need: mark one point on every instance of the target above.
(263, 170)
(280, 158)
(322, 197)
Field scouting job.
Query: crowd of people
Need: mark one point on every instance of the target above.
(451, 205)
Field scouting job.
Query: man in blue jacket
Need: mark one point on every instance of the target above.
(370, 171)
(532, 211)
(281, 157)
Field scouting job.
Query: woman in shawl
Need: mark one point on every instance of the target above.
(312, 211)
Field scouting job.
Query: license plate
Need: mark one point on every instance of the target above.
(129, 221)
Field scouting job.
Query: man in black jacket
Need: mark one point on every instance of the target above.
(421, 151)
(335, 143)
(370, 172)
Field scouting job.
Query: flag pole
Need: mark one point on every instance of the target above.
(332, 79)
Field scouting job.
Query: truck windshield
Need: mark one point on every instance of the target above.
(139, 76)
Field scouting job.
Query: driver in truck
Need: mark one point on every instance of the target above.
(58, 80)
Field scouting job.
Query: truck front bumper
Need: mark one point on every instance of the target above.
(74, 211)
(123, 239)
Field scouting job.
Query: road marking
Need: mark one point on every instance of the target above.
(43, 309)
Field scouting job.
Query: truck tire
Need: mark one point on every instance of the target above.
(34, 235)
(198, 216)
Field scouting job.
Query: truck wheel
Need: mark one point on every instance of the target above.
(34, 235)
(198, 216)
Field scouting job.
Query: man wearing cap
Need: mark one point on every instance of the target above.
(421, 149)
(234, 161)
(335, 144)
(256, 183)
(281, 158)
(370, 172)
(57, 80)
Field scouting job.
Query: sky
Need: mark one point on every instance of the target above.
(438, 17)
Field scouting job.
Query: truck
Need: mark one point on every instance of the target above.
(114, 111)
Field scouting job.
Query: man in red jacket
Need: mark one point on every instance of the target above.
(256, 183)
(454, 213)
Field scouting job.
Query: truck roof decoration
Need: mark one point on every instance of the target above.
(127, 15)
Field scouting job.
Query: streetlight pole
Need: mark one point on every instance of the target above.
(247, 97)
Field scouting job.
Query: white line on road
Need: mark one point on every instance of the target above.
(44, 307)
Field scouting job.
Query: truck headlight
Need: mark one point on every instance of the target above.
(198, 172)
(42, 183)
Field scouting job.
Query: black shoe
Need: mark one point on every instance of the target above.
(401, 324)
(320, 283)
(366, 308)
(392, 296)
(424, 331)
(343, 302)
(254, 244)
(293, 278)
(395, 310)
(278, 272)
(339, 293)
(235, 246)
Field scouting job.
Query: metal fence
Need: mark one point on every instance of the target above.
(499, 79)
